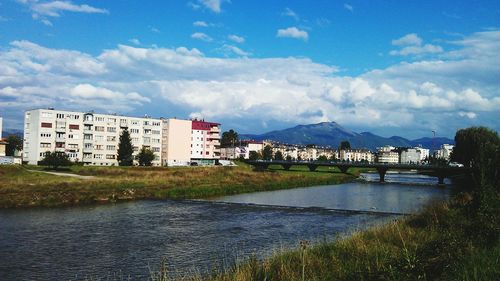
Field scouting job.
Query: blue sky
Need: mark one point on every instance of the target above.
(389, 67)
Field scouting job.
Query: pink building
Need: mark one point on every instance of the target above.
(205, 142)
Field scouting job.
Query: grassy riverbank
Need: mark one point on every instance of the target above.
(25, 186)
(444, 242)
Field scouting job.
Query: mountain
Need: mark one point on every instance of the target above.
(8, 132)
(331, 134)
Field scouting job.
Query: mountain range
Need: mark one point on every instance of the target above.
(331, 134)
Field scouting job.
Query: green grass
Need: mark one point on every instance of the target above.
(23, 187)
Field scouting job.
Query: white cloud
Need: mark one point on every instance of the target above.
(40, 10)
(348, 7)
(230, 49)
(408, 39)
(135, 41)
(154, 29)
(200, 24)
(412, 45)
(236, 38)
(290, 13)
(213, 5)
(293, 32)
(201, 36)
(410, 96)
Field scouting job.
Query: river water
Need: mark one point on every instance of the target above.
(130, 239)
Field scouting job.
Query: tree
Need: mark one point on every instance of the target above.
(289, 158)
(267, 153)
(323, 158)
(15, 143)
(278, 156)
(145, 157)
(253, 155)
(55, 160)
(229, 138)
(344, 145)
(125, 149)
(470, 142)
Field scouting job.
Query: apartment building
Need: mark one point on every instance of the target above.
(205, 142)
(445, 151)
(356, 155)
(410, 156)
(387, 154)
(176, 142)
(1, 120)
(88, 137)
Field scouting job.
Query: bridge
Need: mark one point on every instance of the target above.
(441, 172)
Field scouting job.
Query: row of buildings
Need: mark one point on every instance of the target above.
(93, 138)
(385, 154)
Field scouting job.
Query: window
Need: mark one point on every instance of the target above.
(74, 146)
(46, 125)
(60, 116)
(98, 156)
(135, 140)
(155, 140)
(135, 148)
(135, 122)
(155, 149)
(72, 155)
(59, 144)
(147, 131)
(99, 128)
(60, 135)
(46, 114)
(156, 132)
(146, 123)
(111, 129)
(99, 138)
(110, 156)
(98, 147)
(74, 127)
(111, 138)
(99, 119)
(110, 147)
(45, 145)
(134, 131)
(156, 123)
(87, 137)
(112, 120)
(147, 140)
(75, 137)
(87, 145)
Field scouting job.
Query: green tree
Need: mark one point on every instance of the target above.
(145, 157)
(322, 158)
(229, 138)
(125, 149)
(55, 160)
(289, 158)
(344, 145)
(267, 153)
(15, 143)
(278, 156)
(470, 144)
(253, 155)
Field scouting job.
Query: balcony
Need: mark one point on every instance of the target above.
(60, 139)
(216, 142)
(214, 136)
(60, 149)
(87, 130)
(215, 130)
(88, 150)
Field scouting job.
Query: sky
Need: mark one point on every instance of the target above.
(390, 67)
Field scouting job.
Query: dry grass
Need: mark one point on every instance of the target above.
(21, 187)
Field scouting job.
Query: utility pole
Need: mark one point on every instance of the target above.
(433, 139)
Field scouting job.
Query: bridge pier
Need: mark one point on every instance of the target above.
(286, 166)
(381, 172)
(343, 168)
(312, 167)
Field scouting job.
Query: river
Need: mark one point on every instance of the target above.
(128, 239)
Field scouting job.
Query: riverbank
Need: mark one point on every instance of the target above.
(446, 241)
(26, 186)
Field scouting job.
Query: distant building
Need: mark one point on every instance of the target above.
(356, 155)
(410, 156)
(445, 151)
(387, 154)
(1, 120)
(3, 145)
(424, 153)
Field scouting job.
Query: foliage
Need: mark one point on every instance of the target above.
(289, 158)
(344, 145)
(15, 143)
(322, 158)
(55, 160)
(125, 149)
(254, 155)
(229, 138)
(145, 157)
(278, 156)
(267, 153)
(469, 144)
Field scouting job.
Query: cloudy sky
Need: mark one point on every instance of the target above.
(390, 67)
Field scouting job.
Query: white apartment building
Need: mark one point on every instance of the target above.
(410, 156)
(205, 142)
(89, 137)
(424, 153)
(1, 120)
(387, 154)
(445, 151)
(356, 155)
(176, 142)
